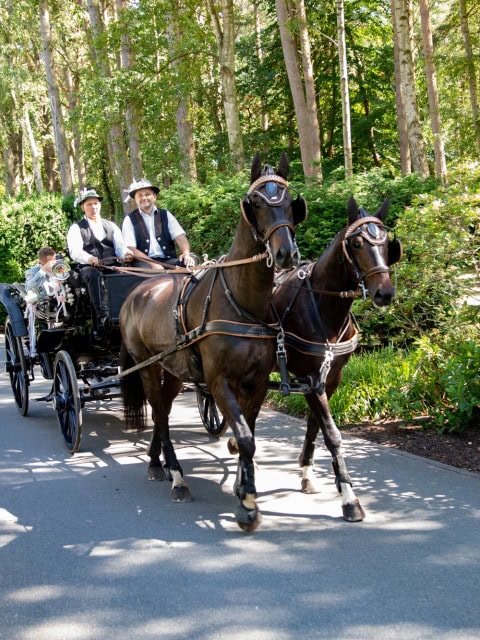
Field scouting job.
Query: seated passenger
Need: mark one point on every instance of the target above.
(37, 276)
(92, 241)
(153, 232)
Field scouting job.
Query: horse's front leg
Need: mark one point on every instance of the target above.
(247, 513)
(321, 417)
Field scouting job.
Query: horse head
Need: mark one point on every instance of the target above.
(369, 252)
(272, 213)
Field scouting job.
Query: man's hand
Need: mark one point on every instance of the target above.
(93, 261)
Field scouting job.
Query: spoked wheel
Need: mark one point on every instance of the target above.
(16, 366)
(212, 419)
(66, 401)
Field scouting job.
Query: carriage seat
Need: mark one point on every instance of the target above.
(117, 286)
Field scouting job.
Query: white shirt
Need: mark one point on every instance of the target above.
(174, 228)
(75, 241)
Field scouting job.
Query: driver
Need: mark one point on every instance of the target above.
(91, 241)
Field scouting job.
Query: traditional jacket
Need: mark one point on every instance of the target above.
(162, 233)
(102, 249)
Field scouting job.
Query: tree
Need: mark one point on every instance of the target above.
(131, 116)
(342, 57)
(402, 17)
(303, 92)
(116, 148)
(471, 72)
(186, 141)
(433, 101)
(224, 28)
(61, 145)
(404, 147)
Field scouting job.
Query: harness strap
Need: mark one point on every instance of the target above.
(320, 348)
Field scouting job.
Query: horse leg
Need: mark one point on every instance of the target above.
(247, 513)
(161, 400)
(321, 416)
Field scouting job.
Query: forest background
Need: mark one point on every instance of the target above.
(373, 97)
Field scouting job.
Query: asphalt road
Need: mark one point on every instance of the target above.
(91, 550)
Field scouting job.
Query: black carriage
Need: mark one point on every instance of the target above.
(53, 335)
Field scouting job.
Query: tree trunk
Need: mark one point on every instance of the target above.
(72, 93)
(472, 78)
(37, 168)
(307, 122)
(183, 115)
(224, 29)
(61, 145)
(259, 51)
(131, 116)
(433, 101)
(117, 150)
(342, 56)
(10, 155)
(404, 147)
(402, 15)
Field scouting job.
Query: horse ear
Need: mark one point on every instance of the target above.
(352, 210)
(283, 166)
(256, 170)
(299, 209)
(395, 251)
(382, 212)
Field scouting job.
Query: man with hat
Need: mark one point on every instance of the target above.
(153, 232)
(92, 241)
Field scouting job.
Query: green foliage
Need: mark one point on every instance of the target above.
(438, 377)
(440, 232)
(26, 225)
(208, 212)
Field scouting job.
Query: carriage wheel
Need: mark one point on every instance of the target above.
(66, 401)
(212, 419)
(16, 366)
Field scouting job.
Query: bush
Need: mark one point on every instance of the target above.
(26, 225)
(438, 379)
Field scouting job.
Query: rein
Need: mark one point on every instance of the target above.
(162, 268)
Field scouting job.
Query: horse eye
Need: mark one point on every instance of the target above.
(356, 244)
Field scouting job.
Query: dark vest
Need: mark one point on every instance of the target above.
(100, 249)
(162, 234)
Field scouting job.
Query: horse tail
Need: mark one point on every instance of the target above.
(133, 394)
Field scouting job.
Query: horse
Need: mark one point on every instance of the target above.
(313, 302)
(212, 328)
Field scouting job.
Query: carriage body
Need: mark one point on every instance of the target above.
(51, 335)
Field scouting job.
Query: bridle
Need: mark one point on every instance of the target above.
(373, 231)
(272, 189)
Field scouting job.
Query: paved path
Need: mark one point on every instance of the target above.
(90, 550)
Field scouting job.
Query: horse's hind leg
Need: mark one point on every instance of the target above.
(161, 391)
(322, 418)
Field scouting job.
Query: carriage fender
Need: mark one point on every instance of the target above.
(19, 327)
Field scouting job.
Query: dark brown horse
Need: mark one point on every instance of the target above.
(212, 329)
(313, 302)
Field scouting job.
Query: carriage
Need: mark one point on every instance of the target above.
(50, 334)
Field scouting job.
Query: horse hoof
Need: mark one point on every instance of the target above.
(353, 512)
(156, 473)
(247, 519)
(232, 446)
(181, 493)
(309, 487)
